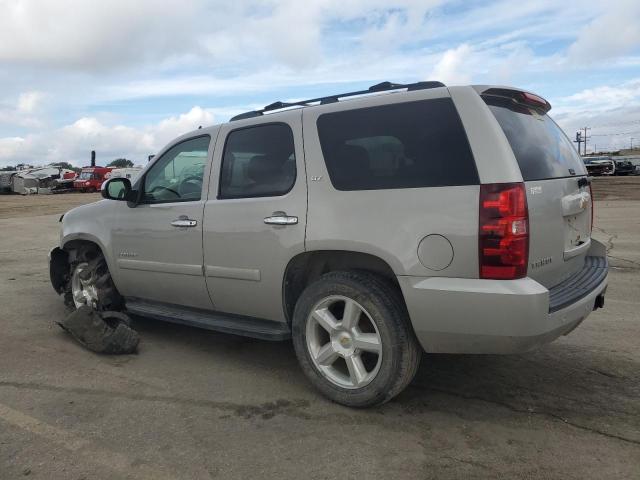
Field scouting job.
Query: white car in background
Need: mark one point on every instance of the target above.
(130, 173)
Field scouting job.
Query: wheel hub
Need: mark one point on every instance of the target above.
(342, 343)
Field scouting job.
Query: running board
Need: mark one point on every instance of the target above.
(210, 320)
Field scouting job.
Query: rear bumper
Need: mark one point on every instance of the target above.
(459, 315)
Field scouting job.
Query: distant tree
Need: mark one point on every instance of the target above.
(8, 168)
(121, 163)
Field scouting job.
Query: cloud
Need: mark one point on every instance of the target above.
(612, 113)
(73, 142)
(607, 97)
(77, 75)
(90, 35)
(28, 102)
(9, 147)
(454, 67)
(96, 36)
(614, 33)
(25, 111)
(171, 127)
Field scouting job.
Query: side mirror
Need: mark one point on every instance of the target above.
(117, 189)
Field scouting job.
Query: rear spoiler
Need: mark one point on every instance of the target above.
(517, 96)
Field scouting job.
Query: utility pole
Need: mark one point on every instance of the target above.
(631, 143)
(585, 138)
(578, 140)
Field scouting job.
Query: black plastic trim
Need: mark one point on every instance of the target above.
(210, 320)
(579, 285)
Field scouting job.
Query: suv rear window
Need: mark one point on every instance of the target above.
(540, 146)
(403, 145)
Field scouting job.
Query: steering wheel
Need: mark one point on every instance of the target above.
(192, 181)
(157, 187)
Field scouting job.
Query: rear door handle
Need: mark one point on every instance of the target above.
(184, 221)
(280, 218)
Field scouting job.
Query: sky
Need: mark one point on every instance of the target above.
(125, 77)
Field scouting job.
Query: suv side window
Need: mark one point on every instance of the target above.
(258, 161)
(177, 175)
(403, 145)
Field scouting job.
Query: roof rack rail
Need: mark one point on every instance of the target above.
(379, 87)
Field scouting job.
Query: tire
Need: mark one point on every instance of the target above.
(382, 314)
(89, 263)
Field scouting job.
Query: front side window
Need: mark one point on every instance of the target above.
(258, 161)
(178, 175)
(403, 145)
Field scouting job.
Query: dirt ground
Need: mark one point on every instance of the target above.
(20, 205)
(199, 404)
(616, 188)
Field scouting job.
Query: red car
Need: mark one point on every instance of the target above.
(91, 178)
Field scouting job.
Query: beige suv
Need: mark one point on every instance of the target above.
(368, 226)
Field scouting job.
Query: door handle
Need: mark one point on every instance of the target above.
(184, 221)
(280, 218)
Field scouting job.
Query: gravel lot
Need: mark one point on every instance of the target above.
(198, 404)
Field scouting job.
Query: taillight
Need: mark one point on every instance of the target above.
(503, 231)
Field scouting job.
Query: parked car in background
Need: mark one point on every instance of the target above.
(42, 180)
(131, 173)
(6, 179)
(91, 178)
(366, 226)
(597, 166)
(624, 167)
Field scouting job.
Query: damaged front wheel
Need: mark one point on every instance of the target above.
(83, 286)
(90, 282)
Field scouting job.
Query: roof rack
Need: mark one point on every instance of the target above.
(380, 87)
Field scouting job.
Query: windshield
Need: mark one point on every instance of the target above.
(540, 146)
(85, 176)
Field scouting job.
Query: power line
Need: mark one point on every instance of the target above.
(617, 123)
(613, 134)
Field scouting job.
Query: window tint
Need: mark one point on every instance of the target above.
(258, 162)
(540, 146)
(406, 145)
(177, 175)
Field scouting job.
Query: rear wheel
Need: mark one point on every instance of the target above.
(90, 282)
(353, 339)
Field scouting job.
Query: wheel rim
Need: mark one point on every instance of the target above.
(83, 286)
(343, 341)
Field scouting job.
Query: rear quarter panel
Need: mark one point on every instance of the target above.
(493, 155)
(388, 223)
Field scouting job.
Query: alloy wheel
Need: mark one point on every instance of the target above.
(344, 342)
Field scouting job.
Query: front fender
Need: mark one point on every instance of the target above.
(91, 223)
